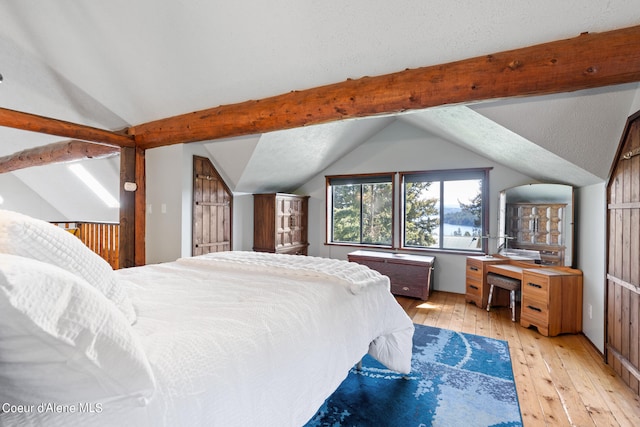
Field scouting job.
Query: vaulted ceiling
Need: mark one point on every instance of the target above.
(120, 63)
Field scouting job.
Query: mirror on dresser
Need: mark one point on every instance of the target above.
(536, 221)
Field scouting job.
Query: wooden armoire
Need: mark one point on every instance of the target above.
(280, 223)
(622, 348)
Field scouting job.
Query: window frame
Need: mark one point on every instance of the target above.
(444, 175)
(363, 179)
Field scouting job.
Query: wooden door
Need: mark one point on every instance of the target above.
(622, 348)
(212, 209)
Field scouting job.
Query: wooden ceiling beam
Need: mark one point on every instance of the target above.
(58, 152)
(587, 61)
(40, 124)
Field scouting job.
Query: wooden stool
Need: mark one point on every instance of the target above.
(504, 282)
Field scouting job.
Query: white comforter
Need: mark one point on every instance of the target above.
(249, 339)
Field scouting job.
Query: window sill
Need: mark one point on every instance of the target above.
(409, 250)
(359, 245)
(442, 251)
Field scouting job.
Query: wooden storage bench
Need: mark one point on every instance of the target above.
(410, 275)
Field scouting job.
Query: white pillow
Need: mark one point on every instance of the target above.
(62, 341)
(37, 239)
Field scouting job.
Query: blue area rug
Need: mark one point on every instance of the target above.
(457, 379)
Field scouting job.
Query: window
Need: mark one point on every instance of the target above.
(444, 209)
(360, 209)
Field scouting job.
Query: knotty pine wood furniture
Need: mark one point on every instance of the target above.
(477, 289)
(552, 300)
(551, 296)
(410, 275)
(280, 223)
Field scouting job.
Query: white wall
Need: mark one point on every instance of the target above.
(591, 258)
(53, 193)
(401, 147)
(164, 169)
(169, 204)
(16, 196)
(635, 105)
(242, 221)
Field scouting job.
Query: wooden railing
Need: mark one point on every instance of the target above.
(102, 238)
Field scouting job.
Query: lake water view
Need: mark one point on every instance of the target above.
(460, 242)
(449, 229)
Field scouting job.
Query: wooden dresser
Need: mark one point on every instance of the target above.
(410, 275)
(551, 296)
(552, 300)
(280, 223)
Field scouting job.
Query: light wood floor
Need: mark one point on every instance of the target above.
(561, 381)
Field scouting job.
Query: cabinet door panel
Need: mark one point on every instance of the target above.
(280, 223)
(537, 227)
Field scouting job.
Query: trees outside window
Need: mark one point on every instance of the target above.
(444, 209)
(361, 209)
(421, 212)
(439, 210)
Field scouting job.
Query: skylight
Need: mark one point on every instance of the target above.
(94, 185)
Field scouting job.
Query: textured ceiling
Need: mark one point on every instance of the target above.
(120, 63)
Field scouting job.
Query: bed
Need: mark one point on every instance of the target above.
(225, 339)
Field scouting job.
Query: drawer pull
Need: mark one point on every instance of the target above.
(473, 287)
(405, 288)
(535, 285)
(473, 268)
(534, 308)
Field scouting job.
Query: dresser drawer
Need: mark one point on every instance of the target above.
(474, 270)
(535, 311)
(474, 287)
(535, 288)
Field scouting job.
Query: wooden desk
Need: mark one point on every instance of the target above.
(509, 270)
(551, 296)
